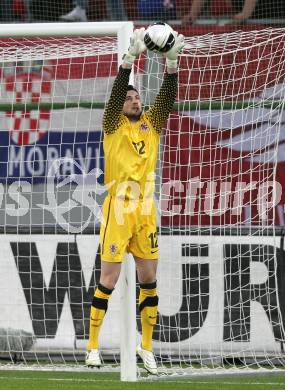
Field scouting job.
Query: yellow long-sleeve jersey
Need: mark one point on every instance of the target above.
(131, 148)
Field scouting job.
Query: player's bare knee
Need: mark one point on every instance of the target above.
(109, 281)
(147, 278)
(110, 273)
(147, 275)
(146, 270)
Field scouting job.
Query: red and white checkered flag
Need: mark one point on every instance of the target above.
(29, 126)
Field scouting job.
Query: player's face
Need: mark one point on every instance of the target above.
(132, 106)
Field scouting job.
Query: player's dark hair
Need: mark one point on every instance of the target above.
(132, 88)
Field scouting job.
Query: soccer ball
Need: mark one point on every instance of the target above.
(159, 37)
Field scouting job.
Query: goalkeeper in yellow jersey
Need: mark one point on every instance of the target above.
(131, 140)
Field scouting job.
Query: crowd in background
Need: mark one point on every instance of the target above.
(188, 11)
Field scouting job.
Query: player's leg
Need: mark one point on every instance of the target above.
(113, 241)
(144, 246)
(148, 299)
(148, 302)
(110, 273)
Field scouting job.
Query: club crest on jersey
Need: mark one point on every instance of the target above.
(113, 249)
(144, 127)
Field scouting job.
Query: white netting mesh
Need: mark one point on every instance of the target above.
(26, 49)
(234, 42)
(220, 272)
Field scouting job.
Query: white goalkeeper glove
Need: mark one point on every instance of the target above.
(137, 46)
(172, 54)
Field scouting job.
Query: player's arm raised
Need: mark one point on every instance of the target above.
(165, 99)
(113, 112)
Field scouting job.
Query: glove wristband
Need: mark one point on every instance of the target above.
(128, 58)
(171, 63)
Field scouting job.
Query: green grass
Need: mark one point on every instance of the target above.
(31, 380)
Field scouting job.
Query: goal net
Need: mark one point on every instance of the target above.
(217, 192)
